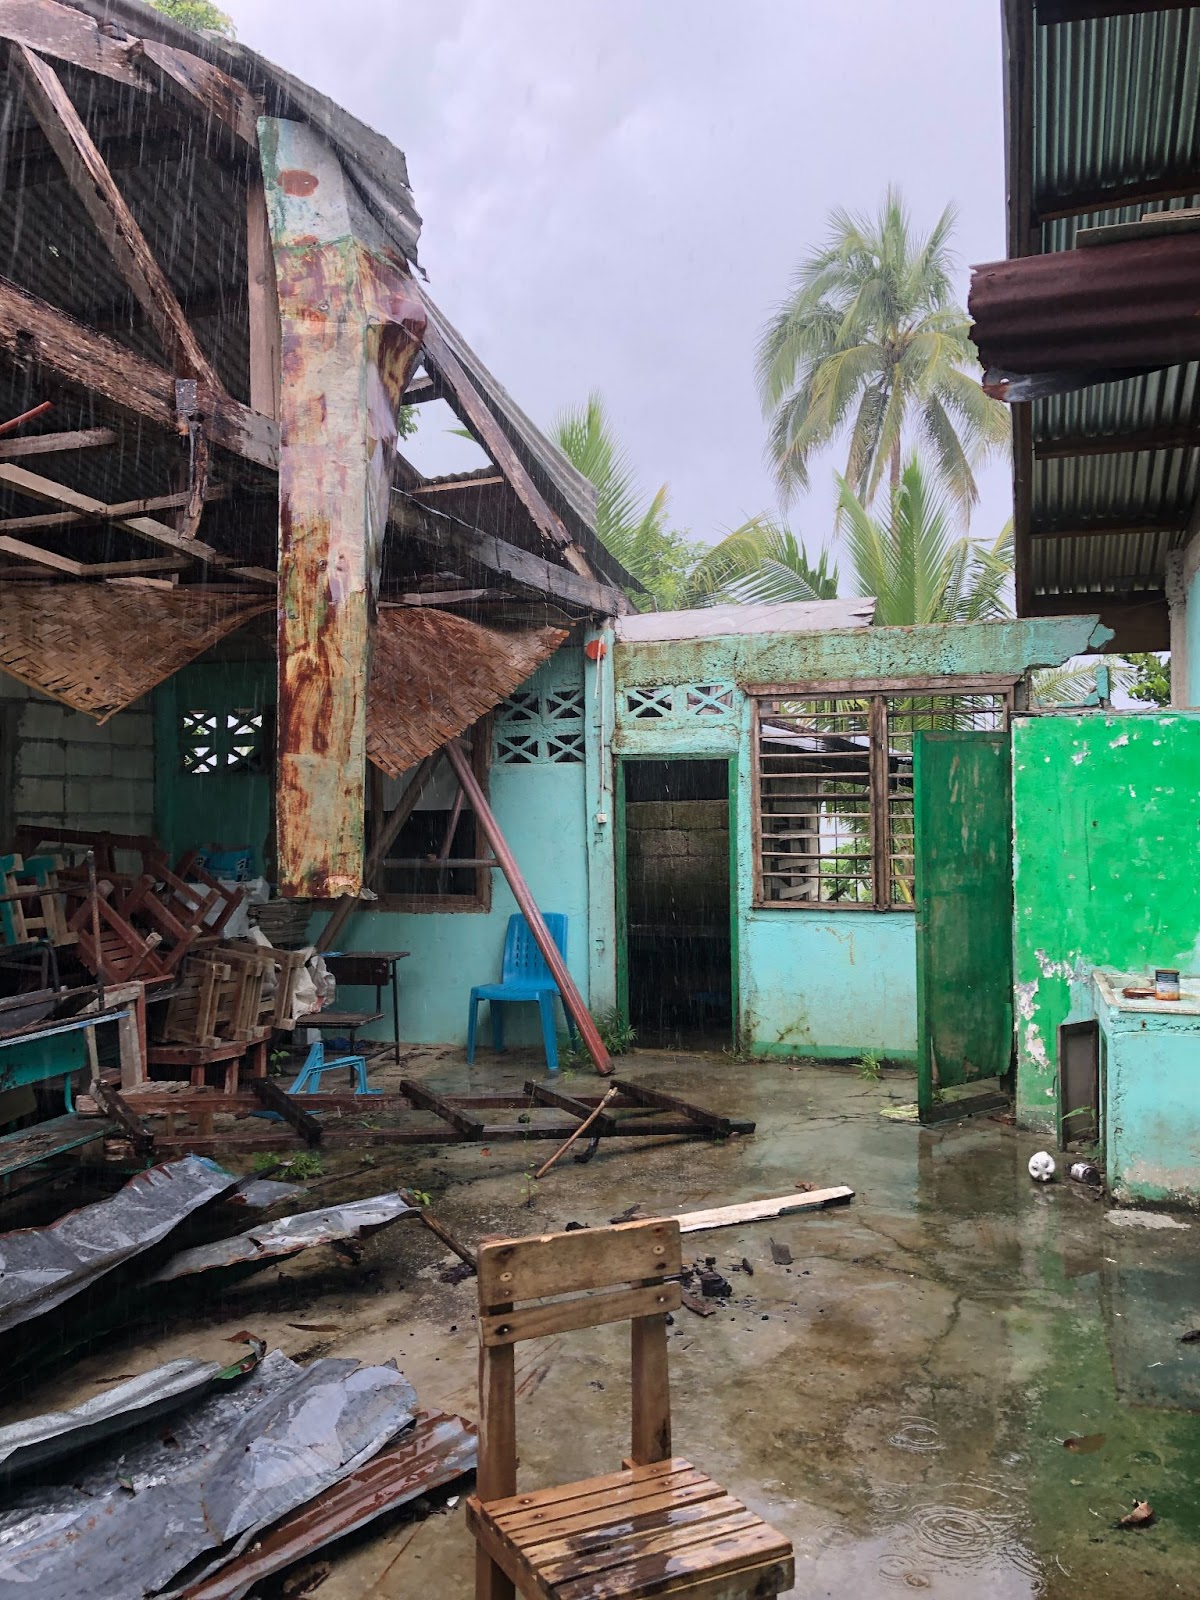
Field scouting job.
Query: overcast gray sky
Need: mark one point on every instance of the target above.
(614, 192)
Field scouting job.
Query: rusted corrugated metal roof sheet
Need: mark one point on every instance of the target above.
(1132, 304)
(434, 674)
(437, 1449)
(1103, 125)
(98, 648)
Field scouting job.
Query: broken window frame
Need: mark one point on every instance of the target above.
(480, 898)
(878, 695)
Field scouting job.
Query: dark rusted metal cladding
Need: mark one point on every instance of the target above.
(1133, 304)
(351, 328)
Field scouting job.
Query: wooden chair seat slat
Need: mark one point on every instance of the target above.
(594, 1510)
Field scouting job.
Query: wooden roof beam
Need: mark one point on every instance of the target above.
(86, 505)
(506, 560)
(109, 513)
(44, 444)
(37, 334)
(84, 569)
(1116, 444)
(1179, 185)
(469, 406)
(1176, 523)
(1050, 13)
(97, 190)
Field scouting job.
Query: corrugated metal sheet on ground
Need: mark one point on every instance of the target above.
(42, 1267)
(273, 1241)
(99, 648)
(433, 675)
(236, 1463)
(37, 1441)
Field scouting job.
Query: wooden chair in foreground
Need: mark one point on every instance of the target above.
(660, 1526)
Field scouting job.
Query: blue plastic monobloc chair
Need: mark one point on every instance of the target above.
(524, 977)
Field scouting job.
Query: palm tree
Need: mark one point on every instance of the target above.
(634, 531)
(872, 340)
(909, 559)
(762, 560)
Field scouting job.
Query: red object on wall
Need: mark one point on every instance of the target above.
(595, 650)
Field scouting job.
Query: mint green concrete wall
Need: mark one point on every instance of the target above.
(814, 982)
(1106, 839)
(542, 809)
(1151, 1105)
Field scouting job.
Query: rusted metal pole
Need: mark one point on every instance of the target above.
(571, 997)
(26, 416)
(610, 1094)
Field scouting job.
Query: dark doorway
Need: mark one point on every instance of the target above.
(677, 901)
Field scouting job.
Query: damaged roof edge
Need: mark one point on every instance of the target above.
(377, 166)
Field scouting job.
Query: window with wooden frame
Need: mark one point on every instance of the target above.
(833, 784)
(435, 862)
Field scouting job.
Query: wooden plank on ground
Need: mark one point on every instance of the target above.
(277, 1099)
(668, 1102)
(761, 1210)
(471, 1127)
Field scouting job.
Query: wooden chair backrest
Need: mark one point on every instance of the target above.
(560, 1282)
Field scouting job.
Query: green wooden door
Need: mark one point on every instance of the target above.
(962, 785)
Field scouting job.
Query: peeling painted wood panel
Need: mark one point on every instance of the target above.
(351, 329)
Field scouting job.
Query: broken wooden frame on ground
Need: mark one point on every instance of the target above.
(350, 1121)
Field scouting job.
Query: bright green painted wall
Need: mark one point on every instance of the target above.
(814, 982)
(1106, 828)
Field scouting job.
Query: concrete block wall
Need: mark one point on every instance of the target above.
(65, 768)
(678, 859)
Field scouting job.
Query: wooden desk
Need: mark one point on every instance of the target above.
(370, 969)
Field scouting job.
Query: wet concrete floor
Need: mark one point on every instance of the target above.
(896, 1400)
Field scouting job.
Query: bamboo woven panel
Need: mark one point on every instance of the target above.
(433, 675)
(98, 649)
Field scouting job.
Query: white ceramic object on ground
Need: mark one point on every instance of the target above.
(1041, 1167)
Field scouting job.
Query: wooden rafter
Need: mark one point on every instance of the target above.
(469, 406)
(41, 444)
(1115, 444)
(455, 485)
(203, 87)
(1177, 185)
(37, 334)
(86, 569)
(68, 35)
(110, 513)
(1050, 13)
(97, 191)
(86, 505)
(508, 560)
